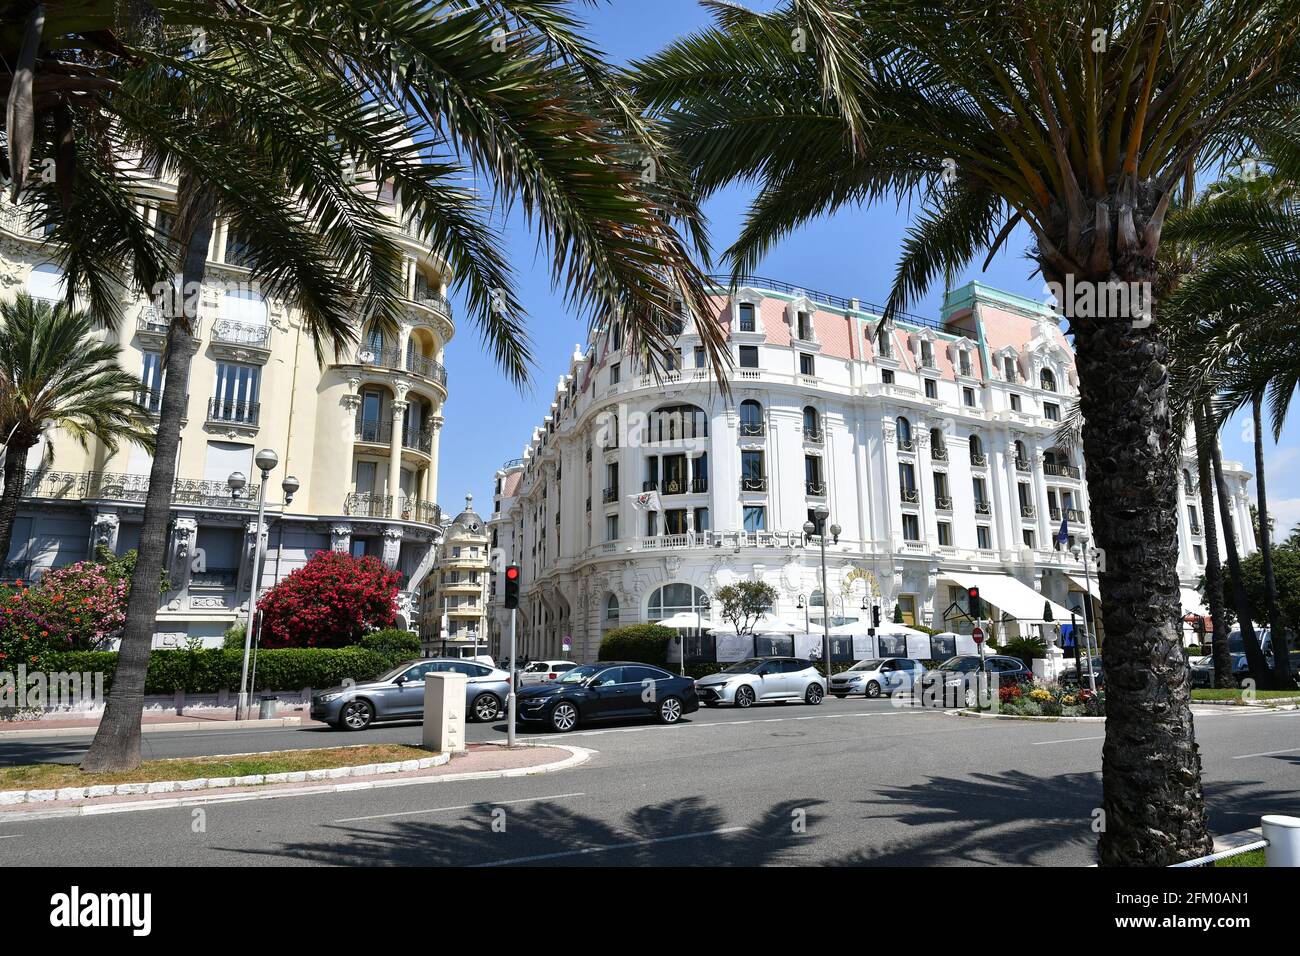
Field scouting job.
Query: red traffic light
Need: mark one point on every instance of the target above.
(512, 586)
(512, 572)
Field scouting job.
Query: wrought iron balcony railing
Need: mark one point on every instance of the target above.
(233, 412)
(248, 334)
(118, 486)
(753, 483)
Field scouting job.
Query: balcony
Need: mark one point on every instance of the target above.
(650, 486)
(375, 432)
(1022, 464)
(241, 341)
(418, 440)
(938, 452)
(413, 362)
(979, 459)
(943, 503)
(365, 504)
(982, 507)
(816, 489)
(752, 429)
(151, 327)
(1061, 471)
(433, 300)
(226, 411)
(753, 483)
(814, 436)
(699, 486)
(908, 496)
(425, 367)
(215, 578)
(675, 486)
(1195, 527)
(906, 444)
(1028, 511)
(150, 398)
(117, 486)
(609, 495)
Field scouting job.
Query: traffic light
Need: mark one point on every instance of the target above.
(875, 615)
(976, 608)
(512, 586)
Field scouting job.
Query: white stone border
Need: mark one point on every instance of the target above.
(1059, 720)
(9, 798)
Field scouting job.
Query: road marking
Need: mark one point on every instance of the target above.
(717, 723)
(1267, 753)
(465, 806)
(1067, 740)
(10, 836)
(617, 846)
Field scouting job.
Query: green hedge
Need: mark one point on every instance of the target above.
(394, 644)
(210, 670)
(644, 643)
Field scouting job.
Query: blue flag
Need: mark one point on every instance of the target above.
(1063, 536)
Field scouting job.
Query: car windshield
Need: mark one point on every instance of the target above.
(390, 675)
(870, 665)
(960, 664)
(580, 674)
(744, 667)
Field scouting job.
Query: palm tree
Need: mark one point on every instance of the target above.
(259, 127)
(1076, 119)
(56, 374)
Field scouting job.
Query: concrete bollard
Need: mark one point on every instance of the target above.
(1283, 836)
(444, 712)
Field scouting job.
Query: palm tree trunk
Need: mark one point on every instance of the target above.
(1151, 781)
(117, 741)
(1259, 671)
(1276, 630)
(15, 471)
(1213, 567)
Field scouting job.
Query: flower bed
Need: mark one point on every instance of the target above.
(1050, 700)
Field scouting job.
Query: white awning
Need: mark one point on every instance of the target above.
(1009, 596)
(1192, 603)
(1084, 585)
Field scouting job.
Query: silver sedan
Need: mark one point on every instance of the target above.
(399, 694)
(761, 680)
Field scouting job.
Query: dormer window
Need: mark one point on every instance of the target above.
(747, 320)
(803, 326)
(1009, 368)
(1048, 380)
(963, 362)
(927, 353)
(883, 343)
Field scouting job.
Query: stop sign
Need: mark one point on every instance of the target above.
(978, 635)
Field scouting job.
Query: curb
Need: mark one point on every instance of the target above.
(154, 728)
(1055, 720)
(13, 797)
(1276, 703)
(577, 756)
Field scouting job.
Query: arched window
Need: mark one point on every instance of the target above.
(674, 422)
(1021, 458)
(811, 422)
(677, 599)
(46, 282)
(1048, 380)
(1188, 485)
(1049, 458)
(977, 451)
(751, 418)
(904, 432)
(611, 610)
(938, 449)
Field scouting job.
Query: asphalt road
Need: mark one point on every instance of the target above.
(848, 782)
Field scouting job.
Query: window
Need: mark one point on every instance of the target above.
(931, 388)
(904, 428)
(749, 356)
(945, 534)
(701, 519)
(811, 421)
(751, 418)
(806, 364)
(927, 353)
(983, 537)
(1047, 379)
(887, 376)
(235, 398)
(911, 527)
(651, 523)
(977, 451)
(1193, 521)
(884, 343)
(812, 474)
(755, 518)
(1015, 402)
(941, 486)
(751, 470)
(700, 361)
(977, 485)
(675, 422)
(151, 377)
(616, 373)
(747, 322)
(1028, 535)
(611, 609)
(1009, 368)
(238, 252)
(1051, 411)
(963, 362)
(907, 480)
(968, 397)
(803, 326)
(1198, 553)
(617, 336)
(673, 599)
(611, 527)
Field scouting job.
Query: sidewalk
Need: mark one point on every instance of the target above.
(479, 761)
(206, 718)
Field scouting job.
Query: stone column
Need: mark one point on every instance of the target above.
(184, 532)
(392, 547)
(341, 538)
(254, 538)
(395, 457)
(104, 532)
(431, 483)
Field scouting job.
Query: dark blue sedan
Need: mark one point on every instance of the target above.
(607, 691)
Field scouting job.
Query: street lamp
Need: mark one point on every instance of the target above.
(1089, 619)
(803, 606)
(265, 460)
(821, 513)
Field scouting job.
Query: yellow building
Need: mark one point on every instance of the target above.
(457, 589)
(359, 433)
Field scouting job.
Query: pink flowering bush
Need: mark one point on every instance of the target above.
(331, 601)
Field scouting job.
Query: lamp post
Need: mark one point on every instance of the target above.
(265, 460)
(803, 604)
(1090, 617)
(821, 513)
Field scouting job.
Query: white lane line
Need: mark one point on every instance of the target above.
(465, 806)
(1267, 753)
(616, 846)
(1067, 740)
(10, 836)
(716, 723)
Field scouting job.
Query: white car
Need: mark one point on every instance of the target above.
(544, 672)
(879, 675)
(763, 679)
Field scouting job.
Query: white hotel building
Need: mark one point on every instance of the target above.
(933, 447)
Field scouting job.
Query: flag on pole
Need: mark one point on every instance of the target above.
(646, 501)
(1063, 536)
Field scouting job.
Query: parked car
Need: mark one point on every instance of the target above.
(606, 691)
(541, 672)
(763, 679)
(1202, 668)
(399, 694)
(957, 677)
(879, 675)
(1079, 677)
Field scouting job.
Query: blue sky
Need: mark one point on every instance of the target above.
(851, 254)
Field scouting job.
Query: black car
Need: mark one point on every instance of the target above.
(607, 691)
(955, 682)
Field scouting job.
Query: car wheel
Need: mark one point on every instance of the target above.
(564, 716)
(670, 710)
(744, 696)
(356, 714)
(487, 707)
(814, 694)
(873, 688)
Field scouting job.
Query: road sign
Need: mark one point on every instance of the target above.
(567, 644)
(978, 635)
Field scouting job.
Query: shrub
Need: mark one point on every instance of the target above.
(234, 637)
(1025, 648)
(394, 644)
(331, 601)
(644, 643)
